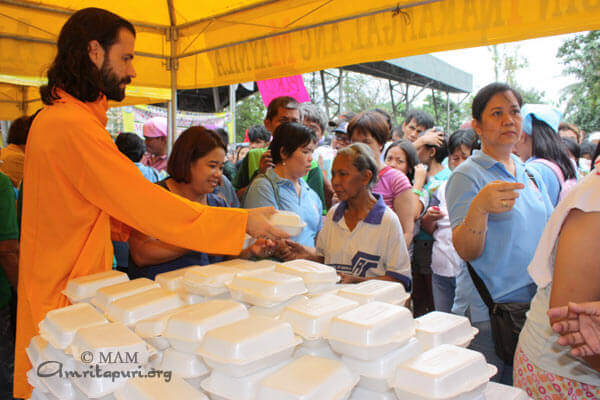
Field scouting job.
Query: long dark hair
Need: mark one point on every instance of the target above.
(548, 145)
(72, 70)
(412, 158)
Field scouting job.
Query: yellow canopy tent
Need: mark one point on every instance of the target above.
(194, 44)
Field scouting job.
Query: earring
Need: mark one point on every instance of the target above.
(283, 163)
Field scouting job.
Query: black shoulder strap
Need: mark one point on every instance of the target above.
(481, 288)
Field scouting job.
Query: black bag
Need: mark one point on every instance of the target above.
(506, 319)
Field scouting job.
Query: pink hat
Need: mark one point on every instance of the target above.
(155, 127)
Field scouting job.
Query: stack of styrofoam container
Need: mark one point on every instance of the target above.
(209, 280)
(309, 378)
(310, 319)
(375, 290)
(84, 288)
(437, 328)
(158, 389)
(173, 281)
(186, 329)
(268, 291)
(152, 329)
(287, 221)
(318, 278)
(243, 353)
(444, 372)
(374, 339)
(107, 295)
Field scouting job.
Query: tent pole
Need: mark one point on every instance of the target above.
(232, 103)
(172, 65)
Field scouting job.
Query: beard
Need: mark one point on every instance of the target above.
(112, 83)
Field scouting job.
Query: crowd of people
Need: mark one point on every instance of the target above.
(496, 221)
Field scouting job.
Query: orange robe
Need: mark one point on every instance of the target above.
(75, 180)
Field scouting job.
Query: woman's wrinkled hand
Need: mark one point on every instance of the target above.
(497, 197)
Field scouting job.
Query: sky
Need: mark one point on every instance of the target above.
(544, 71)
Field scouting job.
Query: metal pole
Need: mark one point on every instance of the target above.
(341, 91)
(232, 103)
(448, 112)
(325, 93)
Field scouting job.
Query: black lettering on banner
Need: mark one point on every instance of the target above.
(357, 43)
(254, 52)
(589, 5)
(306, 45)
(320, 42)
(389, 30)
(336, 40)
(372, 31)
(426, 22)
(265, 60)
(469, 18)
(447, 24)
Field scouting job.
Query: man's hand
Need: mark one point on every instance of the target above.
(259, 227)
(579, 327)
(266, 162)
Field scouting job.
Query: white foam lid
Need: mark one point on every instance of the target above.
(384, 367)
(35, 350)
(191, 324)
(108, 294)
(497, 391)
(360, 393)
(183, 364)
(275, 311)
(85, 287)
(130, 310)
(308, 378)
(247, 340)
(156, 324)
(242, 388)
(373, 324)
(310, 318)
(309, 271)
(265, 289)
(113, 338)
(171, 280)
(286, 218)
(375, 290)
(436, 328)
(208, 280)
(158, 389)
(443, 372)
(60, 325)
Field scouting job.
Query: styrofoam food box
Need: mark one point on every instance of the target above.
(39, 394)
(60, 387)
(112, 346)
(317, 348)
(243, 265)
(444, 372)
(248, 241)
(108, 294)
(34, 380)
(375, 374)
(287, 221)
(172, 280)
(275, 311)
(82, 289)
(51, 353)
(309, 271)
(360, 393)
(132, 309)
(183, 364)
(35, 350)
(248, 345)
(227, 387)
(94, 386)
(265, 289)
(371, 330)
(156, 324)
(158, 389)
(310, 318)
(208, 280)
(158, 342)
(308, 378)
(497, 391)
(186, 329)
(60, 325)
(375, 290)
(191, 298)
(436, 328)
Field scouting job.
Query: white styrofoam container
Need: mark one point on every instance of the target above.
(208, 280)
(248, 241)
(310, 318)
(275, 311)
(158, 389)
(39, 394)
(82, 289)
(172, 280)
(371, 330)
(35, 350)
(444, 372)
(309, 378)
(34, 380)
(51, 353)
(158, 342)
(112, 346)
(248, 345)
(255, 266)
(309, 271)
(191, 298)
(183, 364)
(108, 294)
(132, 309)
(317, 348)
(287, 221)
(60, 325)
(265, 289)
(360, 393)
(94, 386)
(375, 290)
(62, 388)
(436, 328)
(156, 324)
(497, 391)
(375, 374)
(186, 329)
(228, 387)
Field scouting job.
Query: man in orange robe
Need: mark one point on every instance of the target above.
(76, 180)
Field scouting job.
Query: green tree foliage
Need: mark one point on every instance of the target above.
(459, 113)
(581, 59)
(249, 112)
